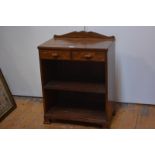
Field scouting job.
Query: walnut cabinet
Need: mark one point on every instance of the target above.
(77, 72)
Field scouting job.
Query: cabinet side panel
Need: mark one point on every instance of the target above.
(111, 73)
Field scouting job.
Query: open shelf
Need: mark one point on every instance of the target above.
(76, 86)
(76, 114)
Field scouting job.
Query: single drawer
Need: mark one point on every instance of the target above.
(55, 55)
(89, 56)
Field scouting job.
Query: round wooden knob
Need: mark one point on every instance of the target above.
(55, 54)
(88, 56)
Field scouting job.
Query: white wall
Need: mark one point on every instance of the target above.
(135, 54)
(135, 62)
(19, 56)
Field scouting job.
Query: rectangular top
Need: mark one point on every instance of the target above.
(79, 40)
(76, 44)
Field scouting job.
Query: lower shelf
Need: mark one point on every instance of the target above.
(72, 114)
(98, 88)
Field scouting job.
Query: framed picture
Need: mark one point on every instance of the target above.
(7, 102)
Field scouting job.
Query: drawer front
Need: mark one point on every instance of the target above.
(55, 55)
(89, 56)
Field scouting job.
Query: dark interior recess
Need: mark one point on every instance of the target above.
(65, 99)
(90, 72)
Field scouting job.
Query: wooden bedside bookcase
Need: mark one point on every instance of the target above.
(77, 72)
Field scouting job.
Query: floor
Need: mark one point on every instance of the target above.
(29, 115)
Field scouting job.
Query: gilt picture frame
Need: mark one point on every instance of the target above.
(7, 102)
